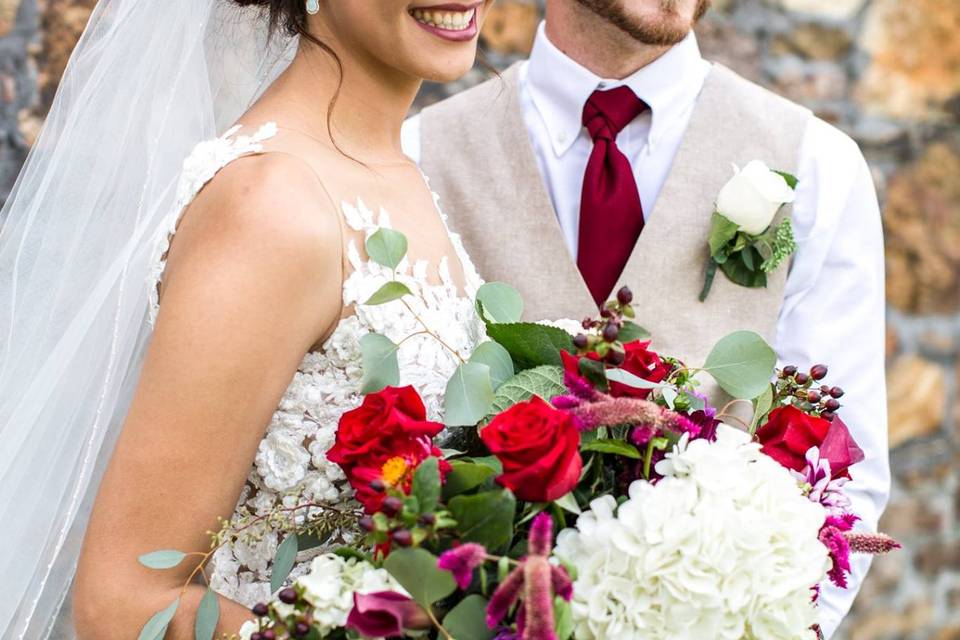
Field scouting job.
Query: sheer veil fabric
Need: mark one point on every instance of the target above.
(146, 83)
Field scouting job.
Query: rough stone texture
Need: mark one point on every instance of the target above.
(888, 73)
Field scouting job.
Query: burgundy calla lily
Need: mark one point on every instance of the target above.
(385, 614)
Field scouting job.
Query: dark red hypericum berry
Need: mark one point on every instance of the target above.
(818, 371)
(625, 296)
(580, 341)
(832, 405)
(301, 629)
(403, 537)
(269, 634)
(615, 357)
(367, 524)
(610, 332)
(789, 370)
(802, 378)
(606, 313)
(836, 392)
(392, 505)
(288, 595)
(813, 397)
(256, 635)
(428, 519)
(828, 415)
(378, 485)
(260, 609)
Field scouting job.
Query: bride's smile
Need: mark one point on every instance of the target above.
(454, 22)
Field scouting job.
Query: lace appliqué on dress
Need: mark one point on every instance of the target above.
(290, 466)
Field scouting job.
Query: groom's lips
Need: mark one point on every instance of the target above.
(424, 16)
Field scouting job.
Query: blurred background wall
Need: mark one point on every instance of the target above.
(888, 73)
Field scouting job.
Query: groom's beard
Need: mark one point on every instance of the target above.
(668, 29)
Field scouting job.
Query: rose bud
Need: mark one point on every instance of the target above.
(625, 295)
(402, 537)
(391, 506)
(818, 371)
(288, 595)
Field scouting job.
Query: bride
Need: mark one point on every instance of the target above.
(210, 316)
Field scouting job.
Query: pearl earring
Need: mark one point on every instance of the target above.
(313, 6)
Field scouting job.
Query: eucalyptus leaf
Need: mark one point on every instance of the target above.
(499, 302)
(632, 380)
(163, 559)
(208, 613)
(563, 614)
(497, 358)
(416, 570)
(669, 395)
(156, 627)
(485, 518)
(569, 503)
(426, 484)
(545, 382)
(465, 476)
(468, 620)
(284, 560)
(389, 292)
(761, 406)
(631, 332)
(387, 247)
(469, 395)
(616, 447)
(380, 366)
(530, 344)
(742, 363)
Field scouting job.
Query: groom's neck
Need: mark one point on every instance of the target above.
(596, 43)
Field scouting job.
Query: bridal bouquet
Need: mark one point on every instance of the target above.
(584, 489)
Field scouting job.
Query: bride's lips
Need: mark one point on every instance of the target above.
(454, 22)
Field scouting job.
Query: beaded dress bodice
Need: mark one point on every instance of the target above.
(291, 467)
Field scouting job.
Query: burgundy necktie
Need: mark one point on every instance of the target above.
(611, 216)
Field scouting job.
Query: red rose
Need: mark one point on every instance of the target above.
(539, 448)
(789, 433)
(385, 439)
(639, 361)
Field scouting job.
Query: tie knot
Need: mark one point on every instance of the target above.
(607, 112)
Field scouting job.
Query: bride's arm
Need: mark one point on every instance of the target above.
(253, 280)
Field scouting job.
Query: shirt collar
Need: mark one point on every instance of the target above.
(559, 87)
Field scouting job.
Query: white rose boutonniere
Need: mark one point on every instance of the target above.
(743, 242)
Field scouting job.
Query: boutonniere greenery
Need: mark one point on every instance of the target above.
(744, 244)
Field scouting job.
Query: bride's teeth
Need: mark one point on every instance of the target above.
(448, 20)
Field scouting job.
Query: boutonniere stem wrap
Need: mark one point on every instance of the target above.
(744, 244)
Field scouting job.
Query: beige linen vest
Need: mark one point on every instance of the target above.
(477, 154)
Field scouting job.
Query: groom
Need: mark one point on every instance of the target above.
(596, 163)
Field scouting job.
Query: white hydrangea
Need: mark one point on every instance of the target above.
(725, 547)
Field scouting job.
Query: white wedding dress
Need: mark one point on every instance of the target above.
(291, 466)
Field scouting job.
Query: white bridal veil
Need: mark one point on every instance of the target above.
(148, 80)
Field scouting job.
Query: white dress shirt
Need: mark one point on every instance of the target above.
(833, 309)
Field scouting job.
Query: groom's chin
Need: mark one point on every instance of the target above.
(652, 22)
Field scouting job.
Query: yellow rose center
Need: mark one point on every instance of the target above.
(394, 471)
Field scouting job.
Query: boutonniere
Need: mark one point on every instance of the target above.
(744, 243)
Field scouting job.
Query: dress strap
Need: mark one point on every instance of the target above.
(200, 166)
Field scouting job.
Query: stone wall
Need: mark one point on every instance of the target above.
(885, 71)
